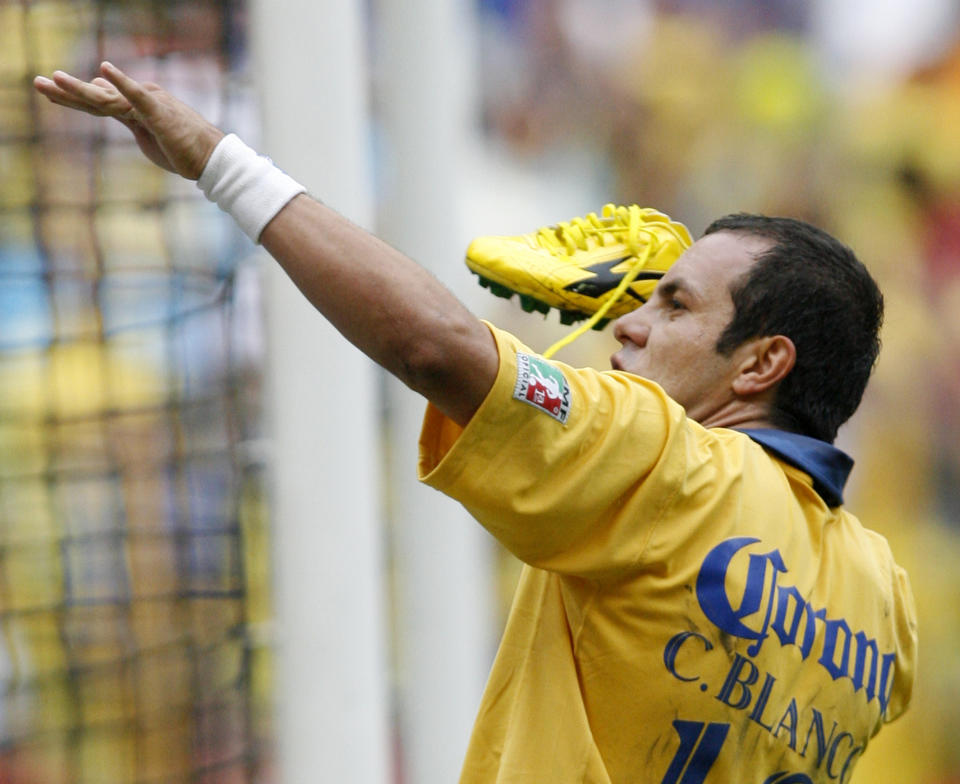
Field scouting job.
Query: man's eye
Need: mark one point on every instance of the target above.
(675, 304)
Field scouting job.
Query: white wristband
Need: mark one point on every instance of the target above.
(246, 186)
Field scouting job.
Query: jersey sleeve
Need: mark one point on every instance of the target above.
(571, 469)
(903, 609)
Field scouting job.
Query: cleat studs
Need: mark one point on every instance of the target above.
(568, 317)
(601, 324)
(531, 304)
(500, 291)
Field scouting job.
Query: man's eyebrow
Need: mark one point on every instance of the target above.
(675, 286)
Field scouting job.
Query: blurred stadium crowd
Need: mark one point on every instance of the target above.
(133, 541)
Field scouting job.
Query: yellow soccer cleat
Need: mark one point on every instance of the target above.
(606, 265)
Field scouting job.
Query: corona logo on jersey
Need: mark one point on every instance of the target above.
(741, 591)
(843, 652)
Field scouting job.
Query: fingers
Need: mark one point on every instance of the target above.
(98, 98)
(57, 96)
(49, 90)
(114, 94)
(92, 95)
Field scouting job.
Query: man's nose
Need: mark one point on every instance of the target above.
(632, 327)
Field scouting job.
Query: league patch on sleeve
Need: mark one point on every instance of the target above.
(542, 386)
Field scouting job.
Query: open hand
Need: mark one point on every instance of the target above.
(168, 132)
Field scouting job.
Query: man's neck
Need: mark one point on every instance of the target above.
(738, 414)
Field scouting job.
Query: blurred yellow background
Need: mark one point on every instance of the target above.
(134, 574)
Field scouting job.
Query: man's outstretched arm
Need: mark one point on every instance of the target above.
(388, 306)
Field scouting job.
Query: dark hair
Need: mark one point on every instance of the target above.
(811, 288)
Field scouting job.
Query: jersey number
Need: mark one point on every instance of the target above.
(699, 746)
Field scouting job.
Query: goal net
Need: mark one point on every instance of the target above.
(133, 553)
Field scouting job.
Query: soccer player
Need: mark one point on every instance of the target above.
(697, 605)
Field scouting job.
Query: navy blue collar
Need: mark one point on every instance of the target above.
(826, 465)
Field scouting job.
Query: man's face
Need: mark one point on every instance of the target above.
(672, 338)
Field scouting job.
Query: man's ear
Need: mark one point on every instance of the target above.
(766, 362)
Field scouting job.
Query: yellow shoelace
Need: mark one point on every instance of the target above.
(575, 234)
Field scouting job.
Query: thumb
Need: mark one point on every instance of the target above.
(166, 128)
(140, 99)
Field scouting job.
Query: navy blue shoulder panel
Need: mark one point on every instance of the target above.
(828, 466)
